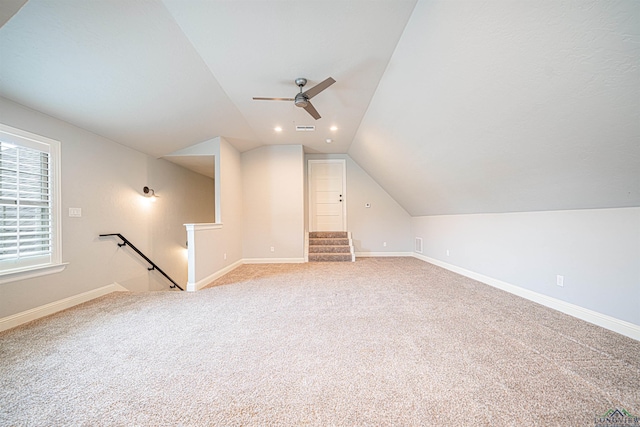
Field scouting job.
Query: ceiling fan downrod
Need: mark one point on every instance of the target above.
(301, 99)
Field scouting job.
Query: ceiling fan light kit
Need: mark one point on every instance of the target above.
(302, 98)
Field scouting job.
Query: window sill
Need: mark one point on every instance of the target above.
(31, 272)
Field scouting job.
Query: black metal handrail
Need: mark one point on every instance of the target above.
(153, 265)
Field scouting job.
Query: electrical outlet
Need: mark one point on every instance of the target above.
(447, 252)
(273, 249)
(224, 256)
(75, 212)
(560, 280)
(384, 244)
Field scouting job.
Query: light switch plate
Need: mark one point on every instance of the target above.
(75, 212)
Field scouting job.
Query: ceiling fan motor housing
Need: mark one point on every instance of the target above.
(301, 100)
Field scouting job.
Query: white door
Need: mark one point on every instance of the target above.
(327, 195)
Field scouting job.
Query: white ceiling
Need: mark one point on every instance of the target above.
(161, 76)
(505, 106)
(453, 107)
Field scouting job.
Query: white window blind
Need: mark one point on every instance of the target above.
(28, 201)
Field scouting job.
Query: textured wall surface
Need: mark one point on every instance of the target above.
(385, 221)
(595, 250)
(506, 106)
(273, 202)
(105, 180)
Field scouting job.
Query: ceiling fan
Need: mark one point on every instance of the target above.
(302, 99)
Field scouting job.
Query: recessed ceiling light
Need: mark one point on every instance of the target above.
(277, 129)
(334, 128)
(328, 140)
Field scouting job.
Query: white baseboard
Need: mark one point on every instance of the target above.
(196, 286)
(53, 307)
(273, 260)
(611, 323)
(191, 287)
(382, 254)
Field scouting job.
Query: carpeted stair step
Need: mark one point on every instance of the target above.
(329, 249)
(328, 242)
(332, 246)
(330, 257)
(329, 235)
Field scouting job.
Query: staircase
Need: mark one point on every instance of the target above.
(330, 246)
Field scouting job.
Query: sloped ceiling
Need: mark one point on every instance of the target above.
(9, 8)
(161, 76)
(452, 106)
(502, 106)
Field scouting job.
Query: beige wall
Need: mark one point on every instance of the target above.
(185, 197)
(231, 202)
(595, 250)
(215, 248)
(105, 180)
(273, 198)
(385, 221)
(262, 205)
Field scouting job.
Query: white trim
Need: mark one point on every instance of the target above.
(33, 140)
(383, 254)
(31, 272)
(611, 323)
(306, 246)
(196, 286)
(56, 208)
(273, 260)
(418, 242)
(117, 287)
(52, 147)
(56, 306)
(204, 226)
(191, 254)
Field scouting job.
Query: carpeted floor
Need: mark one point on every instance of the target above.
(382, 341)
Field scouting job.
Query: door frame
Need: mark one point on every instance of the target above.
(343, 162)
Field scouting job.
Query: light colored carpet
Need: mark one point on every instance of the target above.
(382, 341)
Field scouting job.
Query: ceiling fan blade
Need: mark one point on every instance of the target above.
(311, 110)
(272, 99)
(319, 88)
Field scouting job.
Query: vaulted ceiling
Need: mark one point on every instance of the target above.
(452, 107)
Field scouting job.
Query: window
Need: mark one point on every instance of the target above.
(29, 205)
